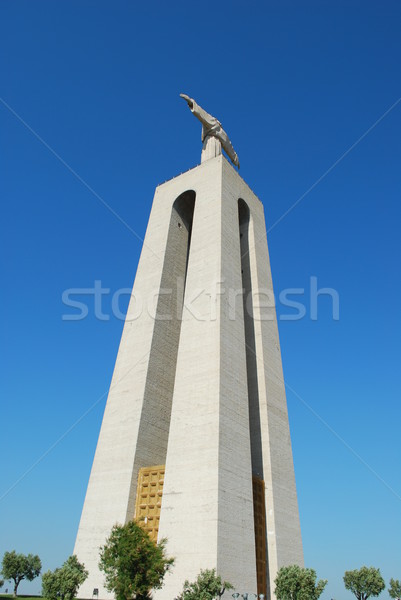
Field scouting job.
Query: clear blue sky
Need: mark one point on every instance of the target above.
(295, 84)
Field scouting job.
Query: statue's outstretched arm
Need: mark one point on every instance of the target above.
(203, 116)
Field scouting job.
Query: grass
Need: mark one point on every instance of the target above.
(24, 596)
(8, 596)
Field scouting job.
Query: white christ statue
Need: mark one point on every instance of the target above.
(213, 135)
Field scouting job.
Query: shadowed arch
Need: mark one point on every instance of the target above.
(157, 402)
(244, 219)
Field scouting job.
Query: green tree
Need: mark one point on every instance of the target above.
(364, 582)
(297, 583)
(395, 589)
(1, 583)
(132, 562)
(207, 586)
(20, 566)
(65, 581)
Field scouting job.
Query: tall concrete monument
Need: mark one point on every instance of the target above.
(195, 441)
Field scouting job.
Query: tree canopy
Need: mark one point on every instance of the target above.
(364, 582)
(207, 586)
(395, 588)
(132, 562)
(20, 566)
(297, 583)
(64, 582)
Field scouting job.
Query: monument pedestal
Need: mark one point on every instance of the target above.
(197, 399)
